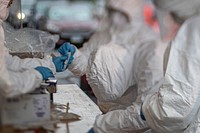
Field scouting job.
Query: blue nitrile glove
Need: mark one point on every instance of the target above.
(65, 48)
(45, 72)
(91, 131)
(59, 63)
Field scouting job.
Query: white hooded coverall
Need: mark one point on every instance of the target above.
(18, 76)
(110, 30)
(175, 108)
(122, 74)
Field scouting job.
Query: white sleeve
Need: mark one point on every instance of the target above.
(16, 64)
(80, 63)
(110, 72)
(13, 83)
(121, 121)
(16, 83)
(174, 107)
(148, 68)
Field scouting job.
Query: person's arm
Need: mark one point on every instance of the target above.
(174, 107)
(110, 72)
(14, 63)
(121, 121)
(16, 83)
(13, 83)
(79, 64)
(81, 56)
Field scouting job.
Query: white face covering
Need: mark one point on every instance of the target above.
(118, 19)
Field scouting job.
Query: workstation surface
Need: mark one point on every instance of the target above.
(79, 104)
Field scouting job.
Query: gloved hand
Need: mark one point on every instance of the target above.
(91, 131)
(65, 48)
(59, 63)
(45, 72)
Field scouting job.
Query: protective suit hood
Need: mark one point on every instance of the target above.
(132, 8)
(3, 9)
(182, 9)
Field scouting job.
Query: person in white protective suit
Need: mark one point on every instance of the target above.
(19, 76)
(115, 26)
(175, 107)
(121, 76)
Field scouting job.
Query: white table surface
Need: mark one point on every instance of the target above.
(79, 104)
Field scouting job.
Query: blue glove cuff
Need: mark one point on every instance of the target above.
(45, 72)
(141, 114)
(91, 131)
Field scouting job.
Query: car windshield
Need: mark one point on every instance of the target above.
(41, 7)
(27, 4)
(71, 12)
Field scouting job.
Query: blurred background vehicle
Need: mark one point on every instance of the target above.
(73, 20)
(21, 13)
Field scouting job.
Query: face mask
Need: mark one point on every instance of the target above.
(118, 19)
